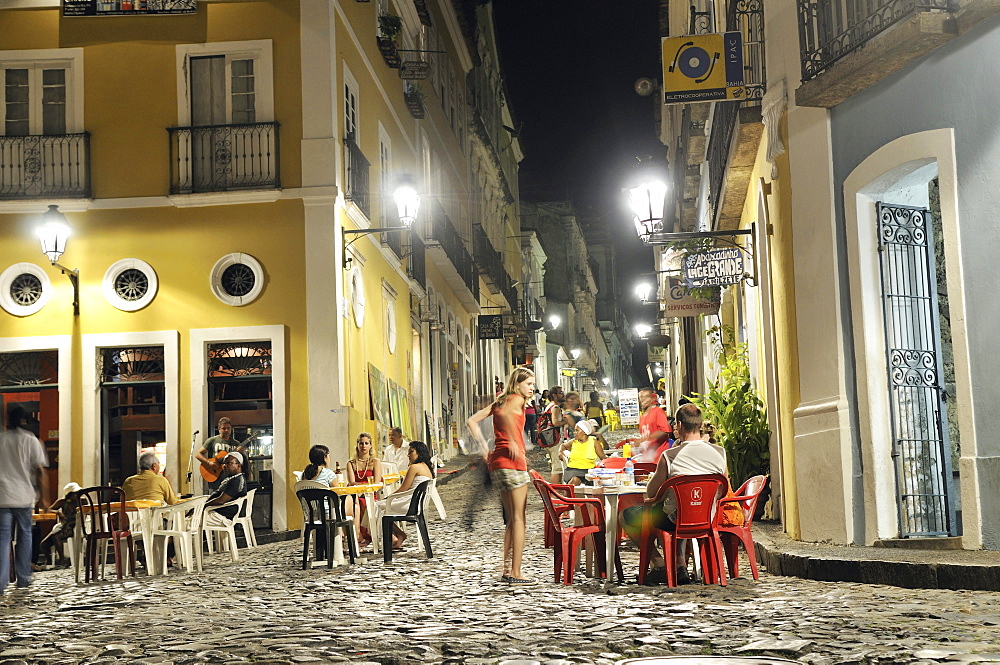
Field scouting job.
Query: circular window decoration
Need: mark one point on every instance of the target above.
(130, 284)
(357, 286)
(390, 325)
(24, 289)
(237, 279)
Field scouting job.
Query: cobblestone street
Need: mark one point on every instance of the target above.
(452, 609)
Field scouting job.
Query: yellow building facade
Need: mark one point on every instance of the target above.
(208, 165)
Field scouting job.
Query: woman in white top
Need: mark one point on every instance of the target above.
(419, 471)
(318, 468)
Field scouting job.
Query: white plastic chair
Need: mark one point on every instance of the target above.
(226, 531)
(244, 519)
(174, 522)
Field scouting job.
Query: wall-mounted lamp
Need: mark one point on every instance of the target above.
(576, 353)
(407, 204)
(643, 329)
(54, 234)
(606, 381)
(554, 321)
(647, 199)
(643, 290)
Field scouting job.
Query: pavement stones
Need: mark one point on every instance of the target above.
(453, 609)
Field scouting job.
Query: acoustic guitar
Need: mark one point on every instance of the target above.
(211, 476)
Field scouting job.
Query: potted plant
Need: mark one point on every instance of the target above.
(414, 96)
(736, 410)
(390, 27)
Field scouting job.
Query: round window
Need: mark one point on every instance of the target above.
(130, 284)
(24, 289)
(237, 279)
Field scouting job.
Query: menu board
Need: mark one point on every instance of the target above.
(628, 406)
(126, 7)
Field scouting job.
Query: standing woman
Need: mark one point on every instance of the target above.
(508, 464)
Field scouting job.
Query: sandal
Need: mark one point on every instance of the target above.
(524, 581)
(505, 578)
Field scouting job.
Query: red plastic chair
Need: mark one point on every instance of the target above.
(550, 536)
(734, 536)
(102, 517)
(591, 512)
(696, 499)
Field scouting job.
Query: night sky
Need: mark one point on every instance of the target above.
(570, 67)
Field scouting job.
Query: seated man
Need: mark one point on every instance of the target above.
(148, 483)
(690, 456)
(233, 485)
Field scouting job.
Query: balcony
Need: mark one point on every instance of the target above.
(490, 262)
(223, 158)
(357, 166)
(737, 127)
(452, 258)
(892, 32)
(45, 167)
(416, 266)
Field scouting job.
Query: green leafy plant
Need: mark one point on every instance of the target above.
(390, 26)
(736, 409)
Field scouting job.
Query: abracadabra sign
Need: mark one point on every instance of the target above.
(714, 267)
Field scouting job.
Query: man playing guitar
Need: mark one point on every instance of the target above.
(213, 452)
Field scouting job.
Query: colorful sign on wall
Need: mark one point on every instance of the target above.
(703, 68)
(714, 267)
(126, 7)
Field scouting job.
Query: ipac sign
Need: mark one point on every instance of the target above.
(716, 267)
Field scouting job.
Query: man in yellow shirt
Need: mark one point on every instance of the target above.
(148, 483)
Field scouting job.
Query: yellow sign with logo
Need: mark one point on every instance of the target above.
(703, 68)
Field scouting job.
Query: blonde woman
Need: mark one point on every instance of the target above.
(364, 469)
(508, 464)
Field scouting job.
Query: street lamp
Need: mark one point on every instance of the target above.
(606, 381)
(647, 199)
(642, 290)
(54, 234)
(407, 203)
(575, 353)
(554, 321)
(643, 329)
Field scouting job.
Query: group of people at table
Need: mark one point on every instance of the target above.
(220, 455)
(678, 450)
(367, 469)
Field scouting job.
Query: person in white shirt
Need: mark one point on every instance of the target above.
(689, 456)
(22, 463)
(397, 451)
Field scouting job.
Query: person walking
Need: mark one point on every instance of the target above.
(22, 464)
(508, 465)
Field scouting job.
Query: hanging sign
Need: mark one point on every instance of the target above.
(490, 326)
(628, 406)
(703, 68)
(715, 267)
(680, 301)
(414, 70)
(656, 354)
(126, 7)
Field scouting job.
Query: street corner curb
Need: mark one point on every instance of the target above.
(958, 576)
(905, 574)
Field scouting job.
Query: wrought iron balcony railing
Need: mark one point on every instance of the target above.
(490, 262)
(35, 167)
(444, 233)
(222, 158)
(831, 29)
(357, 176)
(416, 266)
(747, 18)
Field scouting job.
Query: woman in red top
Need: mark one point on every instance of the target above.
(508, 464)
